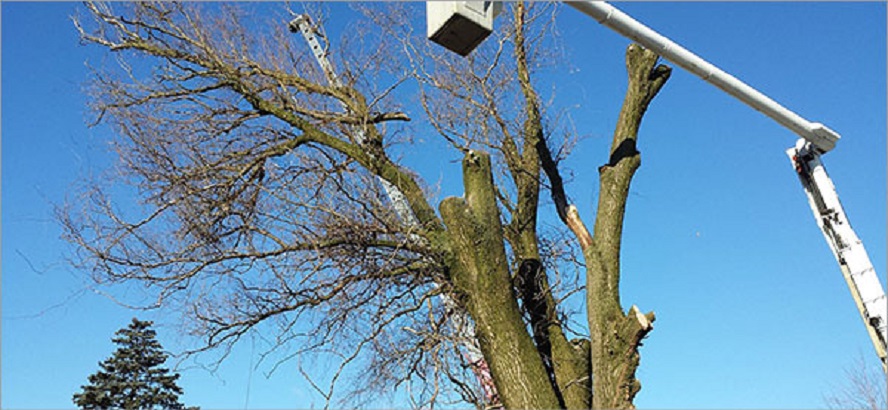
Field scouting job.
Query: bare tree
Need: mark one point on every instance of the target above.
(259, 204)
(862, 387)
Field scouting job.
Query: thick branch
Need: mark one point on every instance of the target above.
(567, 368)
(645, 80)
(616, 336)
(480, 273)
(243, 76)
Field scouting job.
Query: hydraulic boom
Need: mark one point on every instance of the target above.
(844, 243)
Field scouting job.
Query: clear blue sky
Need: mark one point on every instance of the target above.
(752, 311)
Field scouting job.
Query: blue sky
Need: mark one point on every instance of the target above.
(752, 311)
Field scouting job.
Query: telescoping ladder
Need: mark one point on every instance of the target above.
(464, 326)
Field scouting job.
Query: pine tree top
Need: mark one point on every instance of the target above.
(132, 378)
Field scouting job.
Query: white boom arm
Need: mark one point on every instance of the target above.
(844, 243)
(464, 326)
(609, 16)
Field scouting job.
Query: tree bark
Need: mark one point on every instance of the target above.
(566, 362)
(616, 336)
(480, 272)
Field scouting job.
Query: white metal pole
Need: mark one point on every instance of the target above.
(818, 134)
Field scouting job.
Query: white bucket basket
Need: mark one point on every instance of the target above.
(460, 26)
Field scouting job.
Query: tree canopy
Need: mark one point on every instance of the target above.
(268, 197)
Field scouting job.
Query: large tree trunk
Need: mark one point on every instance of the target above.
(480, 272)
(616, 336)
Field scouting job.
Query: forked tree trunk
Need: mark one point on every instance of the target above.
(480, 271)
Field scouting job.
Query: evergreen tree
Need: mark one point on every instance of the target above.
(132, 377)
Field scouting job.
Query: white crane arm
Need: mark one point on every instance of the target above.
(848, 249)
(818, 134)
